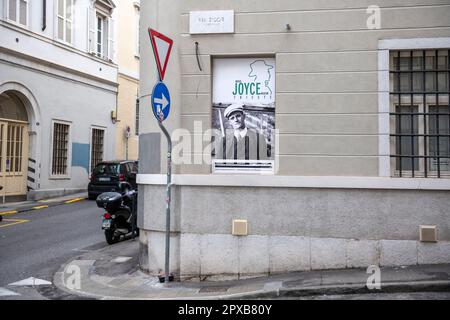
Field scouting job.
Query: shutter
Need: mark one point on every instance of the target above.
(91, 17)
(111, 42)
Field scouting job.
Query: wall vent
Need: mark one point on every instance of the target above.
(240, 227)
(428, 233)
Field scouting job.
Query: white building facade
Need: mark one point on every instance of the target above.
(58, 94)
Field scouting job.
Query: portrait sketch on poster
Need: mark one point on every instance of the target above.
(243, 115)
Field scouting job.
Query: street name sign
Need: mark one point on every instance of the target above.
(218, 21)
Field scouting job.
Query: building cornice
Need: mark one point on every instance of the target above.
(275, 181)
(55, 43)
(32, 63)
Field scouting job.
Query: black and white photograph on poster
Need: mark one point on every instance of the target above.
(243, 115)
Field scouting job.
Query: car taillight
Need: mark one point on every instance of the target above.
(107, 215)
(121, 177)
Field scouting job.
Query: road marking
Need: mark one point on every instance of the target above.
(4, 292)
(13, 222)
(11, 212)
(121, 259)
(74, 200)
(40, 207)
(31, 281)
(6, 213)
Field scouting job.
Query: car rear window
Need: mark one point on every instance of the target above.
(107, 168)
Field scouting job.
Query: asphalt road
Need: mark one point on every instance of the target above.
(39, 246)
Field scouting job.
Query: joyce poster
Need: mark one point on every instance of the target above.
(243, 114)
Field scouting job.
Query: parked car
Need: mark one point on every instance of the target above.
(107, 176)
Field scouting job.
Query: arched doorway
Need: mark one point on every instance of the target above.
(14, 140)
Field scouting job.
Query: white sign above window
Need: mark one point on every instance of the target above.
(220, 21)
(245, 80)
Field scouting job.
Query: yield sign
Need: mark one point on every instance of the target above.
(161, 48)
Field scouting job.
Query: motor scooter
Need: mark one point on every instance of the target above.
(120, 216)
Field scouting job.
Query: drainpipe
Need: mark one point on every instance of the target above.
(44, 14)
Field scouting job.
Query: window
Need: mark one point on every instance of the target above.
(14, 134)
(17, 11)
(60, 148)
(137, 118)
(100, 36)
(136, 28)
(97, 146)
(65, 20)
(107, 168)
(243, 115)
(420, 113)
(101, 30)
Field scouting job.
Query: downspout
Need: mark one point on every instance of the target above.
(44, 14)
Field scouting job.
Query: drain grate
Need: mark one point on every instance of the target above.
(214, 289)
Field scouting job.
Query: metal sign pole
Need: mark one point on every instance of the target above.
(168, 189)
(161, 108)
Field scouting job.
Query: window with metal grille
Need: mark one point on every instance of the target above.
(136, 127)
(60, 148)
(420, 113)
(97, 146)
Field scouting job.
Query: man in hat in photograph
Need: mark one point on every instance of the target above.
(240, 142)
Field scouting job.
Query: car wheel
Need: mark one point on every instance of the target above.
(91, 196)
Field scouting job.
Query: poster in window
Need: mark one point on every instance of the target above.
(243, 114)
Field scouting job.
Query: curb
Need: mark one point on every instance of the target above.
(280, 293)
(392, 287)
(37, 206)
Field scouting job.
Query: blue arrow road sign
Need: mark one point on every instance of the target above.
(160, 101)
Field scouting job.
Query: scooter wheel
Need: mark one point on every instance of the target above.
(110, 238)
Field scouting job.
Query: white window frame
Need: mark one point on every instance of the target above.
(384, 130)
(94, 12)
(65, 20)
(69, 151)
(102, 54)
(137, 8)
(90, 143)
(17, 21)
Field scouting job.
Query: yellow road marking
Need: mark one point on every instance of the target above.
(74, 200)
(6, 213)
(16, 221)
(40, 207)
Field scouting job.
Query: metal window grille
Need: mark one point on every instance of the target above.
(420, 113)
(60, 148)
(137, 118)
(97, 147)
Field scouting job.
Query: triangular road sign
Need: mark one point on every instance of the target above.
(161, 48)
